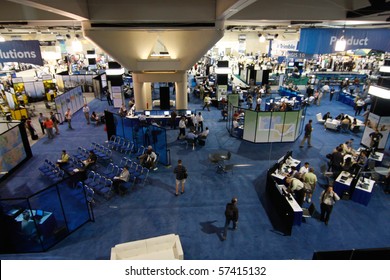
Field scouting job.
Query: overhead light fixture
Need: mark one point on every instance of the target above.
(261, 38)
(380, 92)
(76, 45)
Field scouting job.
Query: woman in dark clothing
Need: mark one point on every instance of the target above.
(181, 176)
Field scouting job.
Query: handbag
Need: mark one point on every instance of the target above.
(185, 175)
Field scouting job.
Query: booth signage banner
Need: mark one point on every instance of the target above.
(21, 51)
(299, 55)
(323, 40)
(285, 45)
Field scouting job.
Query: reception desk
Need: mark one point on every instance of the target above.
(45, 226)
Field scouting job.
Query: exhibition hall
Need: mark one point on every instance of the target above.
(138, 130)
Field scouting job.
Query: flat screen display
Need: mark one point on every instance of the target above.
(188, 112)
(166, 113)
(147, 113)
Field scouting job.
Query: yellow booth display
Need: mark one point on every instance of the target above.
(18, 113)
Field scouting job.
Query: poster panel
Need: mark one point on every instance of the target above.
(263, 127)
(289, 127)
(250, 125)
(276, 127)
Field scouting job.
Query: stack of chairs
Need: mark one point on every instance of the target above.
(50, 170)
(82, 154)
(141, 176)
(127, 147)
(101, 152)
(100, 184)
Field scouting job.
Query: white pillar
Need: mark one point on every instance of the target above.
(181, 91)
(142, 93)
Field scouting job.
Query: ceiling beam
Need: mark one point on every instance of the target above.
(227, 8)
(74, 9)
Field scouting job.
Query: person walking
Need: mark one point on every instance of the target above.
(68, 117)
(308, 130)
(173, 119)
(49, 128)
(331, 93)
(231, 215)
(108, 96)
(328, 198)
(182, 128)
(86, 112)
(41, 120)
(207, 102)
(55, 122)
(181, 176)
(199, 121)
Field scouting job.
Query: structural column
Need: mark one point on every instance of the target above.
(181, 91)
(142, 93)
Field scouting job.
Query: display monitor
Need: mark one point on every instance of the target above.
(291, 64)
(147, 113)
(166, 113)
(38, 214)
(188, 112)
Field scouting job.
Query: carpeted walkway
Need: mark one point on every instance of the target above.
(198, 215)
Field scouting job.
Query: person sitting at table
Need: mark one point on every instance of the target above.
(191, 135)
(95, 118)
(340, 117)
(347, 164)
(326, 116)
(204, 134)
(345, 123)
(64, 159)
(122, 111)
(283, 107)
(91, 160)
(347, 147)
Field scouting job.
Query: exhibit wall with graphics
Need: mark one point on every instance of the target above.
(72, 99)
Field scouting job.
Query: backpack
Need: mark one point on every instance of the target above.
(229, 212)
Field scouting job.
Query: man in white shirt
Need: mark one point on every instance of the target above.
(296, 186)
(304, 169)
(182, 127)
(199, 120)
(86, 112)
(205, 133)
(258, 103)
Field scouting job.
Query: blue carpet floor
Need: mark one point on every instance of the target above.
(198, 215)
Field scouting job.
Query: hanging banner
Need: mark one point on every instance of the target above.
(323, 40)
(284, 45)
(21, 51)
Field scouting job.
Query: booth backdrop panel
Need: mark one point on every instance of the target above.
(276, 127)
(128, 126)
(12, 150)
(72, 99)
(118, 122)
(39, 88)
(290, 126)
(263, 127)
(299, 124)
(164, 98)
(250, 125)
(233, 99)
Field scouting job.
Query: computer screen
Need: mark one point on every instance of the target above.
(290, 64)
(166, 113)
(188, 112)
(147, 113)
(39, 213)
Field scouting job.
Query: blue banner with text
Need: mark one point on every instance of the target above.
(323, 40)
(21, 51)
